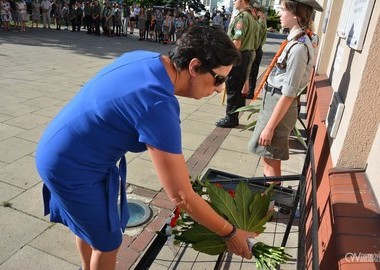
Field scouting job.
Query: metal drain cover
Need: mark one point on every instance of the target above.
(139, 213)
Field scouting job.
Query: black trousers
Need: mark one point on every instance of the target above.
(87, 21)
(254, 72)
(234, 84)
(97, 23)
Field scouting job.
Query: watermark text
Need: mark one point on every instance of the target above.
(362, 257)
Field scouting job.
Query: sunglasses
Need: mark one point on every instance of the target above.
(218, 79)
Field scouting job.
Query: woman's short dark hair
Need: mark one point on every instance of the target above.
(303, 12)
(211, 46)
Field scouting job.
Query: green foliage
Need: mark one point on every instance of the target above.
(224, 203)
(273, 20)
(255, 108)
(252, 109)
(243, 208)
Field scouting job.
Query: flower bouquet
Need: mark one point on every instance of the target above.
(241, 207)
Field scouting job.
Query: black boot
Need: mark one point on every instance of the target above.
(228, 122)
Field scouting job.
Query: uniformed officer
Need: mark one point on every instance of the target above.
(259, 15)
(278, 115)
(243, 31)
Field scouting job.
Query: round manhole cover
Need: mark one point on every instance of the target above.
(139, 213)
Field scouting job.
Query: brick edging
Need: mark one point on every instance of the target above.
(132, 247)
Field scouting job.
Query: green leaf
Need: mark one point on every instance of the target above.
(248, 108)
(299, 137)
(259, 226)
(223, 202)
(258, 209)
(211, 247)
(243, 199)
(249, 126)
(196, 234)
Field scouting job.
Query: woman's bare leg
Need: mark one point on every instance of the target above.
(95, 259)
(85, 252)
(103, 260)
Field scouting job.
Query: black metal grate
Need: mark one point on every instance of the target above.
(160, 256)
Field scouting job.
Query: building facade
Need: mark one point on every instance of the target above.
(343, 101)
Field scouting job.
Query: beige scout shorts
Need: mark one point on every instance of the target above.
(279, 148)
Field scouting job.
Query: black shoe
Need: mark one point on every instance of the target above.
(227, 122)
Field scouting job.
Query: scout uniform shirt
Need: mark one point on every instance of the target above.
(262, 31)
(240, 29)
(293, 69)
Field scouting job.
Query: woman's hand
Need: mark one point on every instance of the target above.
(238, 243)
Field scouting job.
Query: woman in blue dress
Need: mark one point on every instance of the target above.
(130, 105)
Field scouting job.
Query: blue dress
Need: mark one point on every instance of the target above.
(126, 106)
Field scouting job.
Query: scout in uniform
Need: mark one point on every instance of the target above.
(278, 115)
(243, 32)
(250, 85)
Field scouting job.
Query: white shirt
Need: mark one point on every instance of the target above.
(46, 5)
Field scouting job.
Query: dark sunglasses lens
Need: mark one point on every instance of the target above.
(219, 80)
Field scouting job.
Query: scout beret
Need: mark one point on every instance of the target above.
(312, 3)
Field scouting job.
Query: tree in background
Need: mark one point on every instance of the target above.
(273, 20)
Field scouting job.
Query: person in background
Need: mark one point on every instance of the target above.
(73, 18)
(126, 18)
(158, 27)
(206, 18)
(250, 84)
(96, 17)
(166, 28)
(278, 114)
(65, 14)
(141, 23)
(132, 22)
(46, 8)
(58, 15)
(22, 14)
(243, 32)
(79, 15)
(81, 155)
(108, 20)
(217, 20)
(118, 20)
(36, 13)
(179, 24)
(148, 16)
(16, 23)
(136, 11)
(87, 19)
(152, 28)
(6, 15)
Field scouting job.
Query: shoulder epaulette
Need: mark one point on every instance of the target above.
(302, 39)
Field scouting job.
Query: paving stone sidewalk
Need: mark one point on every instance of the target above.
(40, 71)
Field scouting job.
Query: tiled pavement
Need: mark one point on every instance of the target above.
(40, 71)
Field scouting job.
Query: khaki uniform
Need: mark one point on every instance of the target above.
(288, 78)
(241, 28)
(255, 66)
(245, 28)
